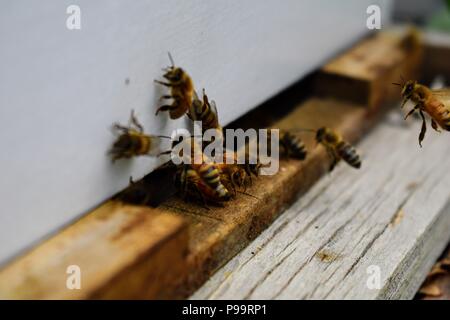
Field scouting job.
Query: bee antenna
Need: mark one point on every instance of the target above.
(164, 153)
(249, 195)
(171, 59)
(401, 77)
(397, 84)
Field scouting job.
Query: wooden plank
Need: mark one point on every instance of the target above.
(365, 73)
(122, 252)
(213, 235)
(436, 55)
(394, 213)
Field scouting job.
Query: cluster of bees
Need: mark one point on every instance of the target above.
(207, 182)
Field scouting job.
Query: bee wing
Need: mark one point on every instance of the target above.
(214, 109)
(192, 113)
(443, 95)
(195, 95)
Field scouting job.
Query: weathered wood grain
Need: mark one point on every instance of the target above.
(122, 252)
(364, 74)
(185, 258)
(436, 55)
(394, 213)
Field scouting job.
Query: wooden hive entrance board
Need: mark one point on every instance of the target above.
(169, 252)
(391, 217)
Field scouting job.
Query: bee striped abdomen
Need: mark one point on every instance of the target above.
(222, 192)
(143, 145)
(295, 146)
(210, 174)
(348, 154)
(439, 112)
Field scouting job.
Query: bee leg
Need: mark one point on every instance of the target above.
(423, 129)
(250, 179)
(166, 96)
(135, 121)
(333, 164)
(434, 125)
(234, 189)
(203, 199)
(244, 186)
(164, 153)
(164, 83)
(119, 127)
(163, 108)
(411, 112)
(333, 157)
(284, 149)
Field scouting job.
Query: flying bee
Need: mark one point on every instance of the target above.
(436, 103)
(292, 145)
(132, 141)
(181, 91)
(337, 148)
(202, 182)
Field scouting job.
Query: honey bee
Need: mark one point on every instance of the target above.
(181, 91)
(292, 145)
(436, 103)
(233, 175)
(337, 148)
(201, 177)
(205, 111)
(132, 141)
(202, 182)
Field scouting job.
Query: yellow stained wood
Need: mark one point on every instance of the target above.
(104, 244)
(365, 73)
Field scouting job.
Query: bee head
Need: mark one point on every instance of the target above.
(174, 74)
(320, 134)
(238, 177)
(408, 89)
(120, 146)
